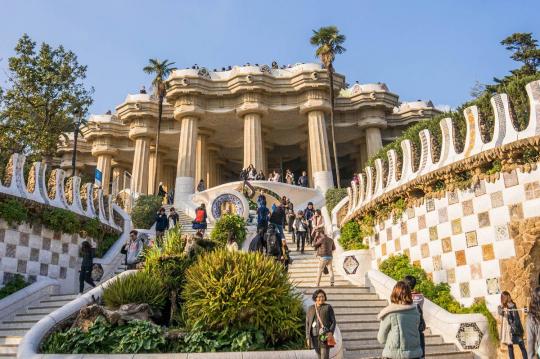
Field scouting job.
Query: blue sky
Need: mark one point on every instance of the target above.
(421, 49)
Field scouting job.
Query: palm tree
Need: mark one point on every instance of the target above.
(329, 43)
(162, 70)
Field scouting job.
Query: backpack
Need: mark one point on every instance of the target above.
(199, 217)
(272, 242)
(97, 272)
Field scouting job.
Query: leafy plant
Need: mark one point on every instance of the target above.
(137, 336)
(242, 291)
(61, 220)
(333, 196)
(105, 243)
(15, 284)
(91, 228)
(229, 223)
(398, 266)
(144, 212)
(140, 287)
(13, 211)
(351, 236)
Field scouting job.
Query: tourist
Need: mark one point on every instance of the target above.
(244, 174)
(252, 173)
(231, 246)
(261, 200)
(85, 275)
(317, 224)
(289, 204)
(142, 90)
(258, 244)
(273, 242)
(277, 176)
(170, 196)
(285, 257)
(199, 223)
(511, 328)
(320, 325)
(418, 299)
(301, 227)
(533, 324)
(289, 177)
(133, 250)
(398, 330)
(201, 186)
(308, 214)
(290, 222)
(173, 218)
(161, 191)
(303, 179)
(263, 214)
(277, 218)
(325, 246)
(162, 223)
(260, 176)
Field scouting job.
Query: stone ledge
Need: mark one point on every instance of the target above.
(25, 296)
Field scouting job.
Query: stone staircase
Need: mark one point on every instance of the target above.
(13, 329)
(186, 221)
(356, 310)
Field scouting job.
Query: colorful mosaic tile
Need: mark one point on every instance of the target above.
(531, 189)
(451, 275)
(453, 197)
(493, 286)
(430, 205)
(410, 212)
(443, 215)
(483, 219)
(476, 271)
(397, 245)
(497, 199)
(464, 290)
(446, 244)
(383, 249)
(407, 252)
(414, 239)
(480, 188)
(389, 233)
(421, 222)
(433, 236)
(437, 263)
(461, 259)
(510, 179)
(424, 249)
(467, 207)
(456, 226)
(501, 233)
(516, 211)
(403, 227)
(488, 252)
(470, 239)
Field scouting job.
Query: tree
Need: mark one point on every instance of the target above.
(525, 49)
(45, 90)
(76, 132)
(161, 69)
(329, 43)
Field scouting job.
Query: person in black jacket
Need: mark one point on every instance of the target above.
(162, 223)
(85, 275)
(277, 218)
(320, 324)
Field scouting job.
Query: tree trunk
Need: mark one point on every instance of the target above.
(174, 307)
(156, 167)
(331, 77)
(74, 156)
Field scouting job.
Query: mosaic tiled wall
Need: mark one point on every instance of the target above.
(461, 238)
(39, 252)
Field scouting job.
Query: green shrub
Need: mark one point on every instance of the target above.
(137, 336)
(140, 287)
(13, 211)
(15, 284)
(105, 243)
(243, 291)
(61, 220)
(144, 212)
(351, 236)
(333, 196)
(398, 266)
(229, 223)
(92, 228)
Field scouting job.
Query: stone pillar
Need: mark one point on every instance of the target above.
(185, 170)
(141, 158)
(363, 157)
(373, 140)
(152, 185)
(319, 152)
(118, 179)
(309, 169)
(253, 145)
(168, 175)
(201, 158)
(211, 170)
(104, 165)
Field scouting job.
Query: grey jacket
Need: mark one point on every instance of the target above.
(327, 316)
(398, 331)
(533, 337)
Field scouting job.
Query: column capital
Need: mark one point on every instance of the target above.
(204, 131)
(372, 118)
(188, 106)
(103, 149)
(315, 100)
(142, 127)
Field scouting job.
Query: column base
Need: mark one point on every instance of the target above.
(183, 189)
(323, 180)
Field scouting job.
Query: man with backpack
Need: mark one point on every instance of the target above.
(273, 242)
(418, 299)
(277, 218)
(262, 216)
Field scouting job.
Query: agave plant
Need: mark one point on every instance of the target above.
(140, 287)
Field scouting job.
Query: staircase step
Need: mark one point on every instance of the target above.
(341, 311)
(11, 339)
(8, 326)
(360, 326)
(28, 317)
(336, 303)
(63, 296)
(372, 342)
(355, 318)
(8, 348)
(350, 289)
(57, 302)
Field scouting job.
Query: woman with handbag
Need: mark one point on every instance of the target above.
(511, 328)
(533, 325)
(318, 225)
(320, 325)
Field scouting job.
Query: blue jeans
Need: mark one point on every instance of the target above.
(279, 229)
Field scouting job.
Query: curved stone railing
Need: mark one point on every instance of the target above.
(385, 182)
(84, 200)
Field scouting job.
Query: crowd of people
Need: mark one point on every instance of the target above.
(250, 173)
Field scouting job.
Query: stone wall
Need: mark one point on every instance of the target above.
(37, 252)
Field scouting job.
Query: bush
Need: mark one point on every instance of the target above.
(144, 212)
(105, 243)
(229, 223)
(333, 196)
(397, 267)
(61, 220)
(140, 287)
(13, 211)
(137, 336)
(351, 236)
(15, 284)
(243, 291)
(92, 228)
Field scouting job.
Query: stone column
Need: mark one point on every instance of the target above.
(373, 140)
(152, 185)
(185, 170)
(319, 152)
(118, 178)
(253, 145)
(201, 158)
(309, 169)
(211, 170)
(139, 173)
(363, 157)
(104, 165)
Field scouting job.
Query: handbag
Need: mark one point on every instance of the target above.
(323, 332)
(325, 270)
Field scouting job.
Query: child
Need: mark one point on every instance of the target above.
(301, 227)
(418, 299)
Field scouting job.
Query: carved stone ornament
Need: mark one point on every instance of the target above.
(469, 336)
(350, 265)
(203, 72)
(265, 68)
(224, 200)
